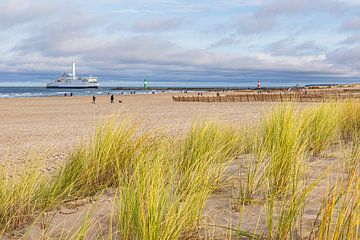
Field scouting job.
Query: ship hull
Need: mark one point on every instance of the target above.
(73, 87)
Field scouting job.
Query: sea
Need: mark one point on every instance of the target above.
(28, 92)
(31, 91)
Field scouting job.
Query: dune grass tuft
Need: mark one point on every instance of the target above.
(350, 119)
(321, 125)
(205, 150)
(21, 194)
(96, 165)
(250, 185)
(162, 184)
(285, 147)
(340, 212)
(165, 197)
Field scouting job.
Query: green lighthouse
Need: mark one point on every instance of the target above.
(145, 84)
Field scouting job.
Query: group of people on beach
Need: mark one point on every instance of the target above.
(112, 98)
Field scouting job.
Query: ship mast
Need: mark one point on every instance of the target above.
(73, 71)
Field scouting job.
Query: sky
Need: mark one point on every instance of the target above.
(188, 41)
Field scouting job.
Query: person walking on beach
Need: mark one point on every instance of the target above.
(94, 99)
(112, 98)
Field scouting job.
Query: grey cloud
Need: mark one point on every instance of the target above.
(249, 23)
(265, 18)
(64, 34)
(56, 43)
(173, 6)
(351, 40)
(289, 47)
(151, 54)
(304, 7)
(228, 40)
(352, 24)
(346, 56)
(74, 35)
(132, 50)
(16, 12)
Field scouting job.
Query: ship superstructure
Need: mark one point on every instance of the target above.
(70, 80)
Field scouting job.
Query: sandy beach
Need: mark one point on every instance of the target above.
(57, 124)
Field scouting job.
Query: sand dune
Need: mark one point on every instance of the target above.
(54, 126)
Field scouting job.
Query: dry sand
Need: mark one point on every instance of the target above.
(60, 123)
(57, 124)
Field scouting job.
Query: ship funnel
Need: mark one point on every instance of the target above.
(73, 71)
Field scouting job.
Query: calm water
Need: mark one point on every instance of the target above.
(25, 92)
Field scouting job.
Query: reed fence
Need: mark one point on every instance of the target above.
(273, 97)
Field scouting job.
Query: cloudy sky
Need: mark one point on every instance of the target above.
(222, 41)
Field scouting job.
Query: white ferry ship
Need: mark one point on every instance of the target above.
(68, 80)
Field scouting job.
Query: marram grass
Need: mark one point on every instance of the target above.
(285, 148)
(20, 195)
(321, 126)
(96, 165)
(350, 118)
(340, 212)
(167, 192)
(162, 185)
(204, 153)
